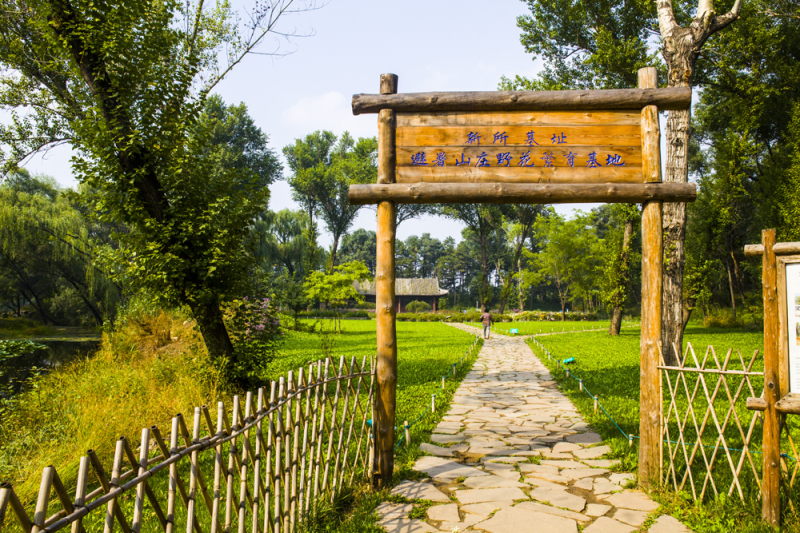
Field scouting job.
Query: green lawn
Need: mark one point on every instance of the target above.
(535, 328)
(609, 368)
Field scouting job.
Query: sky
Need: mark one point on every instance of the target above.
(432, 45)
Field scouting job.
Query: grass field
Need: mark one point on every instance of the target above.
(609, 368)
(536, 328)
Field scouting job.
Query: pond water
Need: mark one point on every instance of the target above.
(14, 371)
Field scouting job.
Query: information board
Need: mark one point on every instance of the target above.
(520, 147)
(793, 323)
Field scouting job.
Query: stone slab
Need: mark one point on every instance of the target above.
(597, 509)
(441, 468)
(533, 506)
(492, 482)
(444, 439)
(393, 511)
(580, 473)
(668, 524)
(406, 525)
(559, 498)
(515, 520)
(489, 495)
(608, 525)
(485, 508)
(632, 518)
(447, 512)
(436, 450)
(629, 499)
(417, 490)
(591, 453)
(585, 438)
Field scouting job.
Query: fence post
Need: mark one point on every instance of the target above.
(385, 399)
(652, 283)
(770, 487)
(408, 433)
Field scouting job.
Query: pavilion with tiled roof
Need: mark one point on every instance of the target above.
(406, 291)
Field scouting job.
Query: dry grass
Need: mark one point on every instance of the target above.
(150, 368)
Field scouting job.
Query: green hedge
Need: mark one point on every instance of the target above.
(543, 316)
(449, 316)
(329, 313)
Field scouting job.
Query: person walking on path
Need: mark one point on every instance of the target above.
(486, 320)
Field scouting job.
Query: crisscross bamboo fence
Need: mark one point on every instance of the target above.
(264, 468)
(711, 440)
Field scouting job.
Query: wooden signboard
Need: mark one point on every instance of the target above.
(789, 309)
(520, 147)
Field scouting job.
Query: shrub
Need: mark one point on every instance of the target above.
(255, 331)
(416, 306)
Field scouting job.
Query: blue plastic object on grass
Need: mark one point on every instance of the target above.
(568, 360)
(515, 330)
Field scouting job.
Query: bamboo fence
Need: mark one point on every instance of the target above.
(296, 444)
(711, 441)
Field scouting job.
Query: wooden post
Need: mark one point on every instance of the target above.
(770, 486)
(385, 297)
(652, 259)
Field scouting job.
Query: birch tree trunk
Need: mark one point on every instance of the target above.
(680, 48)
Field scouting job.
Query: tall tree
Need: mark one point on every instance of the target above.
(680, 47)
(309, 159)
(323, 170)
(481, 220)
(518, 226)
(125, 83)
(618, 258)
(353, 162)
(280, 241)
(602, 45)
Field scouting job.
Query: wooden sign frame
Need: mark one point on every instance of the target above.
(491, 187)
(784, 370)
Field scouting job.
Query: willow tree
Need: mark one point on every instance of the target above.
(125, 84)
(599, 45)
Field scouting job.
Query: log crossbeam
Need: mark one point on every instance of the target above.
(671, 98)
(521, 193)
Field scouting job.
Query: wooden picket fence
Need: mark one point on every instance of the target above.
(266, 468)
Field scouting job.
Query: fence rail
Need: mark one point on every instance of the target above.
(267, 467)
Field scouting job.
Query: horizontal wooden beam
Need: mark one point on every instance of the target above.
(757, 404)
(789, 404)
(666, 99)
(781, 248)
(521, 193)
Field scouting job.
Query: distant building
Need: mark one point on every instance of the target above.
(406, 291)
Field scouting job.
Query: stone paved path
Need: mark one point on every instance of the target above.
(514, 456)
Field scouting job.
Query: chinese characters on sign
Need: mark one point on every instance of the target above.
(504, 159)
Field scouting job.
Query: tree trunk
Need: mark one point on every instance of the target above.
(519, 286)
(334, 249)
(616, 313)
(730, 285)
(215, 335)
(739, 282)
(616, 321)
(484, 290)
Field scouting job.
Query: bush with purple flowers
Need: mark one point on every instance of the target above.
(255, 330)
